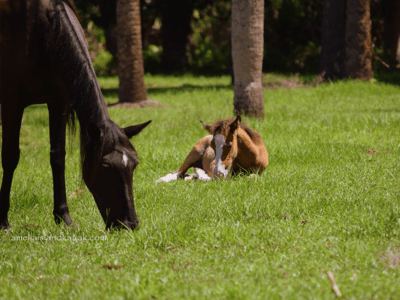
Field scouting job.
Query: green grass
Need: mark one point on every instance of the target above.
(324, 203)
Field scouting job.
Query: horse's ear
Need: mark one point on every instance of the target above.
(135, 129)
(206, 126)
(235, 125)
(94, 132)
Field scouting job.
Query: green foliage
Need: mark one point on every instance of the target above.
(292, 36)
(324, 202)
(95, 35)
(152, 58)
(87, 11)
(104, 63)
(292, 33)
(210, 49)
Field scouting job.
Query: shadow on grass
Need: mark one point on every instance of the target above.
(389, 76)
(109, 92)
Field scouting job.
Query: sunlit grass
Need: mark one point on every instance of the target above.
(324, 203)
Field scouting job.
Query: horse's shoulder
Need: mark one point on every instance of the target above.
(254, 135)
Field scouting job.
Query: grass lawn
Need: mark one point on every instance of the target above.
(328, 201)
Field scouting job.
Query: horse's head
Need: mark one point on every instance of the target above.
(108, 166)
(224, 143)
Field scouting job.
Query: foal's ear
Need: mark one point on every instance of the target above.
(135, 129)
(94, 132)
(236, 123)
(206, 126)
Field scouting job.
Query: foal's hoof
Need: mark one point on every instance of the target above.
(169, 177)
(201, 175)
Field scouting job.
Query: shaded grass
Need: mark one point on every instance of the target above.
(324, 203)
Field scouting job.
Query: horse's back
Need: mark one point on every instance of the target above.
(23, 50)
(262, 159)
(28, 73)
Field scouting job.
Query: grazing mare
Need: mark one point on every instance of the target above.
(232, 148)
(45, 59)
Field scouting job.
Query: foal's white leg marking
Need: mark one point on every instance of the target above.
(219, 169)
(169, 177)
(190, 177)
(201, 175)
(124, 159)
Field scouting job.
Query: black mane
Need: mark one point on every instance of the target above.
(70, 59)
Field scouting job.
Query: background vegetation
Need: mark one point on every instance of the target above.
(292, 35)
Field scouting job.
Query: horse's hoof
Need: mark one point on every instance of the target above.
(65, 219)
(169, 177)
(4, 225)
(201, 175)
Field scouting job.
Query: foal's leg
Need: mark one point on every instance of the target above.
(208, 162)
(194, 158)
(58, 120)
(11, 117)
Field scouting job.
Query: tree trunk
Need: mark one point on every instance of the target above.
(392, 30)
(130, 58)
(358, 61)
(333, 40)
(247, 56)
(175, 30)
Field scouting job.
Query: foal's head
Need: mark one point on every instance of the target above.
(108, 165)
(224, 143)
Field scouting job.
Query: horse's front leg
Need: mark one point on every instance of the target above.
(193, 159)
(58, 120)
(11, 118)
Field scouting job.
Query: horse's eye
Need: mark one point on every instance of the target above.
(105, 165)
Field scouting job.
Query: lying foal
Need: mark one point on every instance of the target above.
(232, 147)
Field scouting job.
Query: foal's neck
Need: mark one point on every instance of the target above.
(247, 150)
(245, 143)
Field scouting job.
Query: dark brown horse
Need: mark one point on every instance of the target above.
(45, 59)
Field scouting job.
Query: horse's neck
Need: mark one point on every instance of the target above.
(246, 145)
(88, 103)
(92, 109)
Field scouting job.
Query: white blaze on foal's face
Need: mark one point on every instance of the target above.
(220, 169)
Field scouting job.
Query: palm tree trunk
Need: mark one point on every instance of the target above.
(358, 61)
(130, 58)
(333, 40)
(247, 56)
